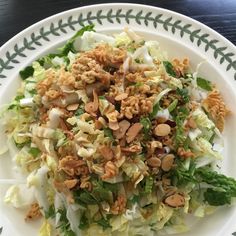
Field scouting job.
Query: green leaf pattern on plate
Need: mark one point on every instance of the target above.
(112, 16)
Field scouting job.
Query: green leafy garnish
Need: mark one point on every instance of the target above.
(155, 109)
(64, 224)
(79, 112)
(84, 223)
(34, 151)
(51, 213)
(145, 121)
(108, 133)
(169, 68)
(224, 188)
(184, 94)
(16, 102)
(148, 185)
(204, 84)
(181, 175)
(69, 46)
(27, 72)
(217, 198)
(173, 105)
(104, 223)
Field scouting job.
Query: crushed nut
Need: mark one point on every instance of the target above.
(121, 96)
(72, 107)
(133, 132)
(123, 127)
(34, 212)
(175, 200)
(70, 183)
(167, 162)
(154, 162)
(106, 152)
(162, 130)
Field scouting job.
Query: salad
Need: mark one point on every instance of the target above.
(114, 138)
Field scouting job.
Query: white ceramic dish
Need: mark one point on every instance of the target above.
(179, 35)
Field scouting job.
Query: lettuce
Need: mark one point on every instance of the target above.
(122, 39)
(204, 148)
(45, 229)
(19, 196)
(202, 120)
(91, 39)
(39, 71)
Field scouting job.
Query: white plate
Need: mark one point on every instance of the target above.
(179, 35)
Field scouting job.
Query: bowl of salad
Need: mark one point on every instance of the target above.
(110, 128)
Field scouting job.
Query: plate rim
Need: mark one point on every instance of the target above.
(26, 31)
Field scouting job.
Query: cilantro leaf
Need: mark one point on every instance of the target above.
(169, 68)
(27, 72)
(204, 84)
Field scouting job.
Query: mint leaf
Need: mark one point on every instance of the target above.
(169, 68)
(204, 84)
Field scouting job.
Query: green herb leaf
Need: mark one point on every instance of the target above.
(173, 105)
(87, 198)
(217, 198)
(27, 72)
(64, 224)
(204, 84)
(148, 185)
(34, 151)
(135, 199)
(79, 112)
(145, 121)
(108, 133)
(184, 94)
(104, 223)
(51, 213)
(155, 109)
(169, 68)
(1, 229)
(69, 46)
(84, 223)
